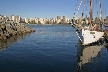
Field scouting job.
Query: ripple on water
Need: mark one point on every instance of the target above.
(52, 48)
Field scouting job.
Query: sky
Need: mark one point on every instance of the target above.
(46, 8)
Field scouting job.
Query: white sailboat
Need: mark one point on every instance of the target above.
(91, 36)
(90, 33)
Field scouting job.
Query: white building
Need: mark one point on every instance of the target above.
(41, 20)
(36, 20)
(13, 17)
(0, 16)
(5, 16)
(26, 20)
(54, 20)
(58, 21)
(31, 19)
(67, 20)
(17, 19)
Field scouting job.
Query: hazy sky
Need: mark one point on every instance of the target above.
(46, 8)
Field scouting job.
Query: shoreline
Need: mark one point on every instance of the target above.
(45, 24)
(10, 29)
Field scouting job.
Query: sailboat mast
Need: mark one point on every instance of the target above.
(100, 11)
(91, 4)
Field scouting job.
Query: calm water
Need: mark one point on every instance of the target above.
(52, 48)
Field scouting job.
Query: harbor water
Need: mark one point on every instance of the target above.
(52, 48)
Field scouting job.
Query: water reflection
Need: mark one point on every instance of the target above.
(88, 57)
(6, 43)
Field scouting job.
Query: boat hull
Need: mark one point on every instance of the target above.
(89, 37)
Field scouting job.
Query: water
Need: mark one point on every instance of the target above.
(52, 48)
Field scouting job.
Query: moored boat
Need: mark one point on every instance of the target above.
(90, 32)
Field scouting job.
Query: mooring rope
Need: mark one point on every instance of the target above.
(77, 33)
(78, 8)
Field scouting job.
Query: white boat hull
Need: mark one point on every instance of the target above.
(88, 36)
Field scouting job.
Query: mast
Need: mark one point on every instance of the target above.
(91, 4)
(100, 12)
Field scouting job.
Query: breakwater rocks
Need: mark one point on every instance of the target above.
(9, 29)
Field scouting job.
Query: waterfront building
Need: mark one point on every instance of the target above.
(0, 17)
(26, 20)
(21, 20)
(68, 20)
(51, 21)
(5, 16)
(40, 21)
(59, 17)
(36, 20)
(64, 19)
(31, 19)
(17, 18)
(54, 20)
(58, 21)
(13, 18)
(45, 20)
(106, 17)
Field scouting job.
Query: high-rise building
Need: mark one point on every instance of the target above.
(64, 19)
(5, 16)
(59, 17)
(106, 17)
(40, 20)
(0, 16)
(13, 18)
(17, 18)
(36, 20)
(26, 20)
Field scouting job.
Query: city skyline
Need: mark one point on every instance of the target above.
(45, 9)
